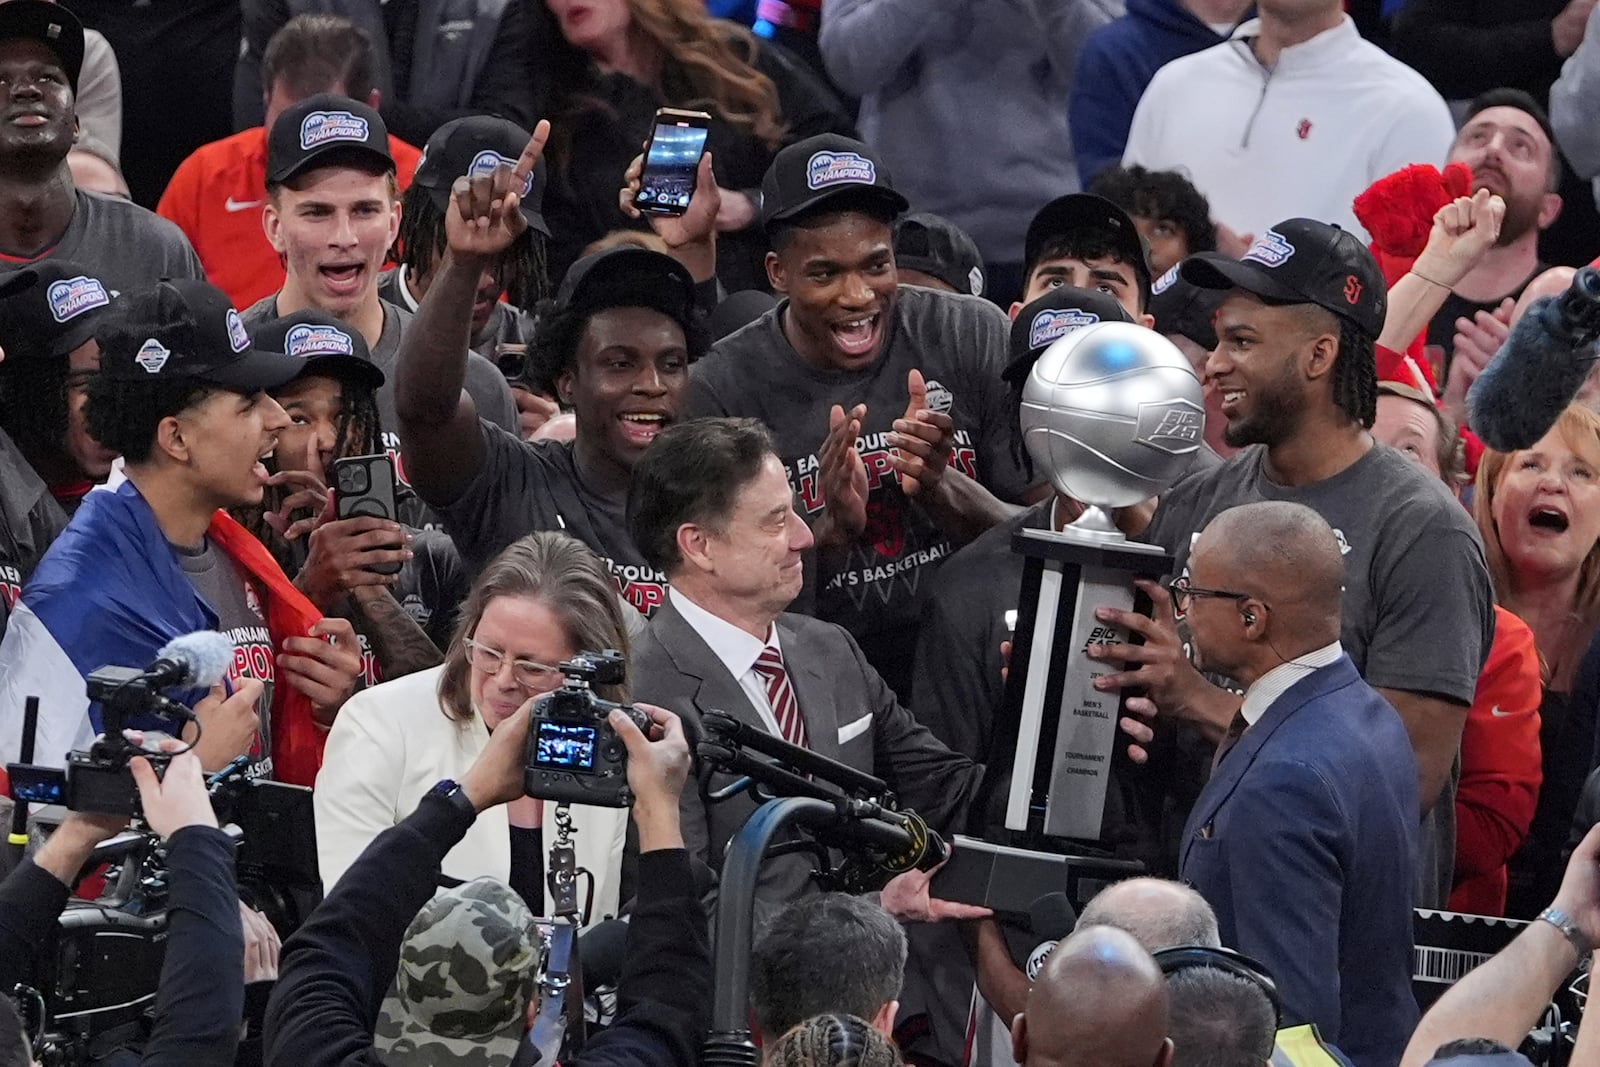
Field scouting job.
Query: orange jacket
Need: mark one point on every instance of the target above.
(216, 196)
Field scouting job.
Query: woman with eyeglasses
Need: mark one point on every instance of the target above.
(541, 601)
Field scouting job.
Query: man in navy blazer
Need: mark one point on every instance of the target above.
(1305, 838)
(711, 507)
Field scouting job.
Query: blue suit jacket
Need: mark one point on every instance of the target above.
(1304, 841)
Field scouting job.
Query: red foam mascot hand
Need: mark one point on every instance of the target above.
(1397, 210)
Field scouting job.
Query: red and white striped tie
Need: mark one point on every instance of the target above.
(781, 695)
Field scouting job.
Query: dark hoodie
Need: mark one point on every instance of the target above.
(1118, 61)
(30, 520)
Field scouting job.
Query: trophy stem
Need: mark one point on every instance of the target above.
(1094, 527)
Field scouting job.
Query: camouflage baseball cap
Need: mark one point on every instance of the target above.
(468, 966)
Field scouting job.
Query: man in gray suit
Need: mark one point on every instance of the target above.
(711, 507)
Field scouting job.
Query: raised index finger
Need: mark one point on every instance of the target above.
(530, 155)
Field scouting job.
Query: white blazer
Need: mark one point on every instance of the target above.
(392, 743)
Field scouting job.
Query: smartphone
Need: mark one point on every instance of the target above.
(365, 485)
(671, 160)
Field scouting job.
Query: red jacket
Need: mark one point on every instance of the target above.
(1500, 768)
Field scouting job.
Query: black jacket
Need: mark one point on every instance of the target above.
(200, 999)
(30, 519)
(333, 973)
(601, 125)
(1466, 47)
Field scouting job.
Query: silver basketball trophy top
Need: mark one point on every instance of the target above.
(1114, 414)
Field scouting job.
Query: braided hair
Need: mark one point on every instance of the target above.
(357, 434)
(834, 1041)
(522, 270)
(1355, 375)
(33, 406)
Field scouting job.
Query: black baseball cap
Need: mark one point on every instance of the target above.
(628, 277)
(183, 328)
(938, 247)
(51, 25)
(808, 174)
(323, 345)
(1046, 320)
(1183, 308)
(1302, 261)
(323, 129)
(1075, 212)
(468, 147)
(49, 309)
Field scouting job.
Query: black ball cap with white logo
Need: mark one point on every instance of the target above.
(938, 247)
(51, 25)
(822, 170)
(323, 130)
(1051, 317)
(324, 346)
(182, 328)
(1302, 261)
(1183, 308)
(48, 310)
(473, 146)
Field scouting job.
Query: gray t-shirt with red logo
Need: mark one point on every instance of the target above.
(241, 618)
(959, 345)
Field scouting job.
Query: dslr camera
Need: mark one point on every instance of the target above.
(573, 754)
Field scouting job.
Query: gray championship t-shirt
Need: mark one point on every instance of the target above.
(123, 245)
(526, 486)
(507, 325)
(243, 620)
(1418, 606)
(959, 345)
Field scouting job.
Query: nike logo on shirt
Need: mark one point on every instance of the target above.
(1497, 713)
(242, 205)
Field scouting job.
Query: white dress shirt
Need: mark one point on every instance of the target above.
(738, 652)
(1276, 682)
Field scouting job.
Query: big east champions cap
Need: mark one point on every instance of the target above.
(473, 146)
(51, 25)
(1302, 261)
(324, 129)
(808, 174)
(323, 345)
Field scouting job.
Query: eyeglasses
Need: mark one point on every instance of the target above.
(1182, 594)
(528, 674)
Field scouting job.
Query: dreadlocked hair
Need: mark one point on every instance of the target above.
(357, 434)
(1355, 375)
(33, 406)
(834, 1041)
(522, 270)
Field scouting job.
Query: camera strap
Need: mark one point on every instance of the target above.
(561, 985)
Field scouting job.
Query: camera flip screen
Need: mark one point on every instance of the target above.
(565, 746)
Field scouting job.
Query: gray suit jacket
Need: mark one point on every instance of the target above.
(850, 716)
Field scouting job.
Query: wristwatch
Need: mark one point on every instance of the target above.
(451, 791)
(1569, 929)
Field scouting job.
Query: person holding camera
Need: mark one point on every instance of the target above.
(200, 998)
(540, 603)
(336, 968)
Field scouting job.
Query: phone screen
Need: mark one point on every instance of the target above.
(669, 169)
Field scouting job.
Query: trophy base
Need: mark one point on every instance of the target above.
(1096, 527)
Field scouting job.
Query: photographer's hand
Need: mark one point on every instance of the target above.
(657, 770)
(176, 800)
(496, 776)
(67, 849)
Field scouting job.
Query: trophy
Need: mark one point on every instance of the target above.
(1113, 412)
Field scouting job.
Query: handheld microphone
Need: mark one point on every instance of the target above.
(1540, 368)
(198, 661)
(1050, 918)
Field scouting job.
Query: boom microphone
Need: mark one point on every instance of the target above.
(192, 661)
(1540, 368)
